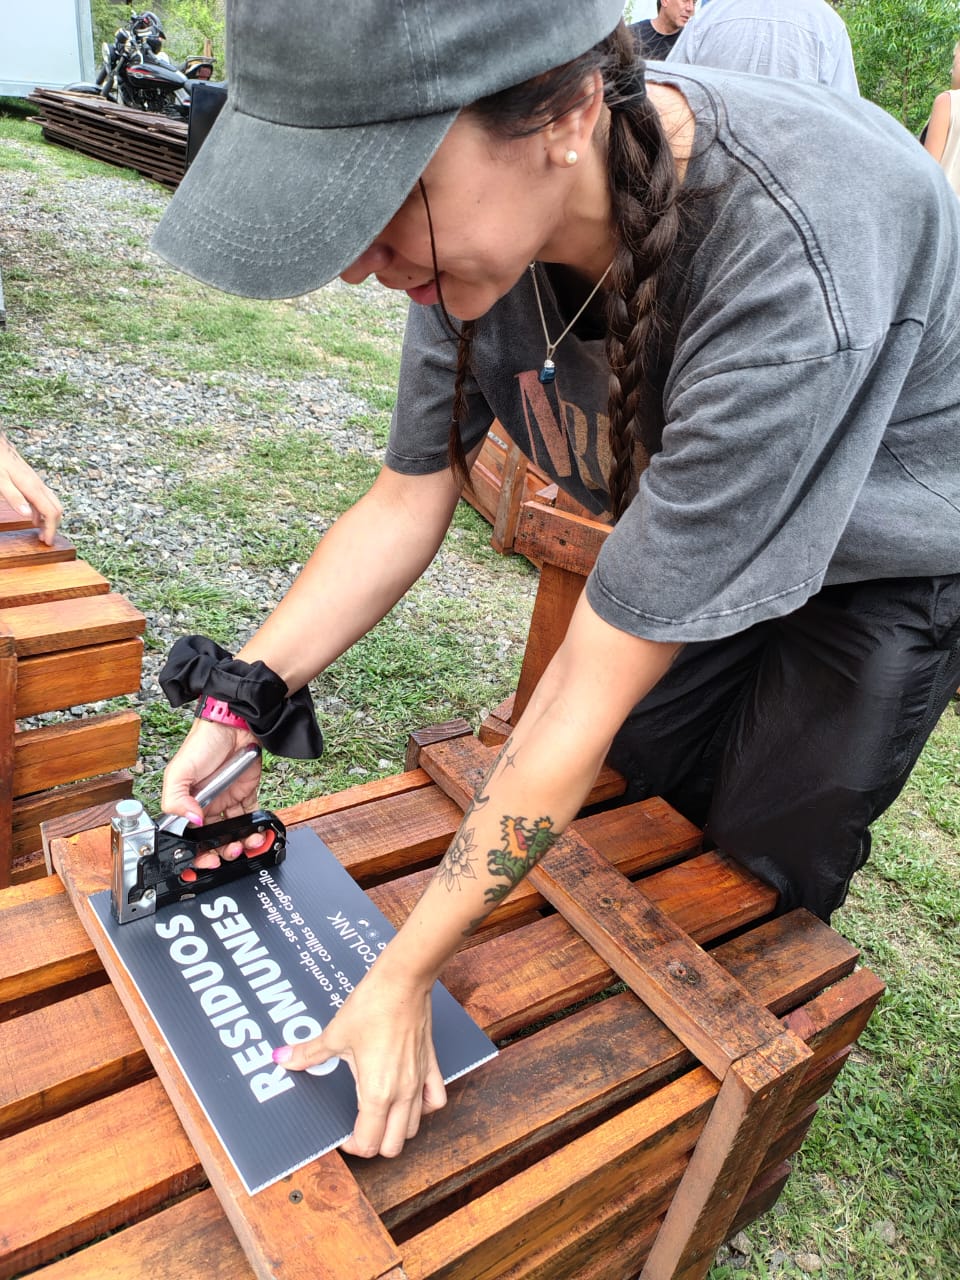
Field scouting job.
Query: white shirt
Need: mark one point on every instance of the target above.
(792, 39)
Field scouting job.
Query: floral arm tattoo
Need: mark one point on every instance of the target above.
(522, 846)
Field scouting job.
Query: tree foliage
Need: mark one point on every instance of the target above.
(903, 50)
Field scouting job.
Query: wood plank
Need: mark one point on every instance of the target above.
(61, 753)
(556, 599)
(148, 1161)
(20, 547)
(54, 681)
(42, 943)
(58, 1058)
(359, 1246)
(192, 1240)
(560, 538)
(513, 492)
(8, 702)
(711, 1012)
(754, 1097)
(68, 810)
(60, 580)
(352, 797)
(461, 765)
(72, 624)
(420, 738)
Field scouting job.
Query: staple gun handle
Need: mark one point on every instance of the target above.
(222, 779)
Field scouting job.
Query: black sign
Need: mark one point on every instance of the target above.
(230, 975)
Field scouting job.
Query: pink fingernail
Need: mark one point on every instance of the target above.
(283, 1054)
(196, 819)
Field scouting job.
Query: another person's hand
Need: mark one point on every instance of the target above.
(383, 1033)
(206, 748)
(26, 492)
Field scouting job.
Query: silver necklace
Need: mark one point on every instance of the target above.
(549, 370)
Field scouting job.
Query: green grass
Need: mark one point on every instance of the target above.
(876, 1190)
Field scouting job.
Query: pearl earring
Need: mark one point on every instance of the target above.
(571, 157)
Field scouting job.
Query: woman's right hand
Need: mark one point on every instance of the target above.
(206, 749)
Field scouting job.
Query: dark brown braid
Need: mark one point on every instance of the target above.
(644, 188)
(647, 215)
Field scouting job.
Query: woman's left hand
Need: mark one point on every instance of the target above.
(383, 1033)
(26, 492)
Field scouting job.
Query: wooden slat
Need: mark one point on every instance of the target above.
(67, 810)
(560, 538)
(8, 702)
(360, 1246)
(22, 547)
(71, 624)
(460, 765)
(116, 1160)
(57, 754)
(420, 738)
(353, 797)
(557, 597)
(58, 1058)
(54, 681)
(42, 943)
(45, 582)
(192, 1240)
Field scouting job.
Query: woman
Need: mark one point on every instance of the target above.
(765, 400)
(941, 137)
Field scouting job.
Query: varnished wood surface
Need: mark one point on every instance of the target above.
(557, 1159)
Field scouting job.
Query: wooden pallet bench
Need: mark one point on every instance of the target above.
(601, 1120)
(145, 141)
(65, 640)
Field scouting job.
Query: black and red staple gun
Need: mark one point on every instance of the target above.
(153, 862)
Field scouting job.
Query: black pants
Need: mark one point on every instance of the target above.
(787, 740)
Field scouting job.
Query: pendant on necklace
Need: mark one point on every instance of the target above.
(548, 372)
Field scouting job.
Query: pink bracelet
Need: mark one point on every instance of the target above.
(217, 710)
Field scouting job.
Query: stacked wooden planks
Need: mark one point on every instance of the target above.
(560, 1159)
(145, 141)
(65, 640)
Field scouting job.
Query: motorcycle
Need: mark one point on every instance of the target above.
(135, 72)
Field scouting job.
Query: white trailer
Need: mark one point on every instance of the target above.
(46, 43)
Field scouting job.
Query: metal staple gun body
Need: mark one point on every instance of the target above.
(153, 861)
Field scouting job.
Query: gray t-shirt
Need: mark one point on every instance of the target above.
(794, 39)
(812, 403)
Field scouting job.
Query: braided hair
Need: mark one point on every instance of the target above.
(648, 222)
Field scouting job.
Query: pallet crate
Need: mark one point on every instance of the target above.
(610, 1135)
(65, 640)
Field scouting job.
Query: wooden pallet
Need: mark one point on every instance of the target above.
(145, 141)
(562, 1158)
(65, 640)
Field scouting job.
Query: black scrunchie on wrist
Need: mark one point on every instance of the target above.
(198, 668)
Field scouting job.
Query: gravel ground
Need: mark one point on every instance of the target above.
(110, 461)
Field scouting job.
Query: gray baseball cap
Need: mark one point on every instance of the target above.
(334, 110)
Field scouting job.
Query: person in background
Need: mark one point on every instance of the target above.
(941, 137)
(793, 39)
(657, 36)
(26, 493)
